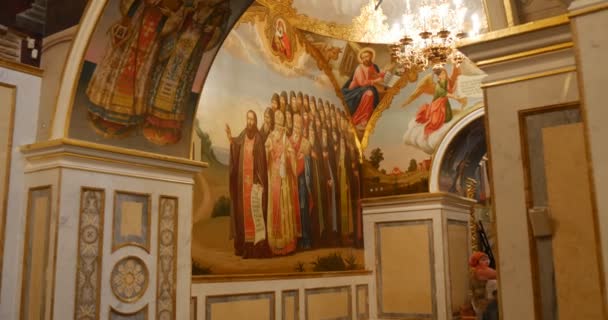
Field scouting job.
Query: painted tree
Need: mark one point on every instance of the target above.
(376, 157)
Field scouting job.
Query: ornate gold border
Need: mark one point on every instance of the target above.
(144, 309)
(147, 278)
(522, 114)
(26, 246)
(287, 293)
(174, 262)
(7, 167)
(146, 246)
(99, 248)
(321, 290)
(20, 67)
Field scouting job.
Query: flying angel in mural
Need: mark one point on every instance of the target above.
(280, 41)
(431, 117)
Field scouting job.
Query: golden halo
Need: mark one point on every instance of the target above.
(366, 49)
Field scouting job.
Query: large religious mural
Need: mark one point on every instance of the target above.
(281, 193)
(143, 71)
(297, 128)
(422, 112)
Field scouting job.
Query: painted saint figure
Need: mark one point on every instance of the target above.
(120, 84)
(280, 40)
(433, 115)
(178, 61)
(248, 171)
(282, 220)
(360, 91)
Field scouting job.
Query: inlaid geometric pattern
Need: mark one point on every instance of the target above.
(167, 258)
(90, 243)
(129, 279)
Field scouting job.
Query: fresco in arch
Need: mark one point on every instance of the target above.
(281, 193)
(465, 163)
(399, 146)
(143, 71)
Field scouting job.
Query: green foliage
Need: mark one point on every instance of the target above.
(221, 207)
(376, 157)
(351, 262)
(200, 270)
(413, 166)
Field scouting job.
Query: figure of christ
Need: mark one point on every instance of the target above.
(119, 86)
(248, 168)
(331, 210)
(283, 221)
(360, 92)
(301, 147)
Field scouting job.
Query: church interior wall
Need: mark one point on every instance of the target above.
(27, 88)
(557, 68)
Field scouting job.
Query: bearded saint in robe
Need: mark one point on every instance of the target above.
(119, 86)
(247, 168)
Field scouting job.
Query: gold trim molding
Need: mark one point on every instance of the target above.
(111, 149)
(7, 167)
(528, 77)
(516, 30)
(587, 10)
(20, 67)
(278, 276)
(524, 54)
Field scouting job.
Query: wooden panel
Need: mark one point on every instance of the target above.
(290, 305)
(458, 251)
(405, 279)
(362, 302)
(574, 241)
(131, 220)
(255, 306)
(35, 285)
(7, 113)
(329, 303)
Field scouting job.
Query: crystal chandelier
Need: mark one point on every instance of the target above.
(431, 35)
